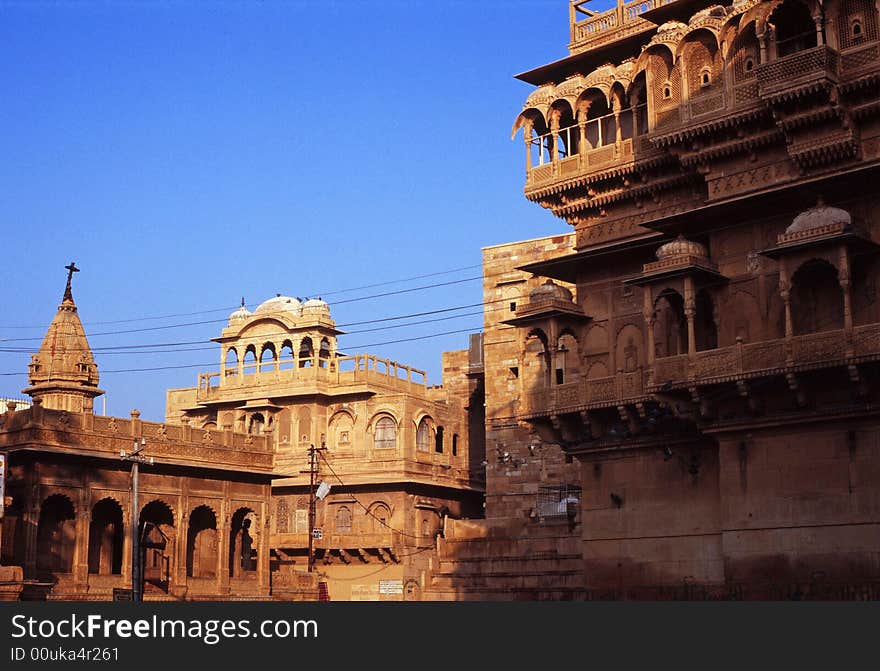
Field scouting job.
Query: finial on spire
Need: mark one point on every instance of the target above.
(242, 301)
(71, 269)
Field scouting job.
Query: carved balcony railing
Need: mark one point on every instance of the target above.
(786, 78)
(611, 25)
(724, 364)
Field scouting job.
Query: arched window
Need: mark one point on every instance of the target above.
(242, 545)
(423, 436)
(379, 518)
(56, 535)
(536, 365)
(454, 444)
(795, 28)
(285, 357)
(816, 298)
(105, 538)
(705, 330)
(385, 434)
(249, 363)
(157, 522)
(343, 520)
(670, 325)
(231, 362)
(306, 352)
(267, 358)
(324, 350)
(257, 423)
(201, 544)
(566, 357)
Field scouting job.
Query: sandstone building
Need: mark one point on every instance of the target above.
(204, 504)
(703, 347)
(400, 455)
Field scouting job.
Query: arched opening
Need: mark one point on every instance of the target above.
(343, 520)
(340, 431)
(816, 298)
(157, 522)
(324, 352)
(256, 423)
(423, 436)
(379, 518)
(56, 535)
(639, 104)
(201, 544)
(569, 133)
(539, 142)
(105, 538)
(249, 363)
(242, 545)
(438, 440)
(231, 362)
(536, 365)
(385, 434)
(454, 444)
(601, 129)
(795, 29)
(285, 356)
(567, 359)
(670, 324)
(705, 328)
(267, 358)
(306, 352)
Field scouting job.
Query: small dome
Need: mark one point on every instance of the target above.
(549, 291)
(280, 304)
(239, 315)
(819, 216)
(315, 306)
(681, 247)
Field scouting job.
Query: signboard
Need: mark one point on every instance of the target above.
(364, 592)
(2, 481)
(121, 594)
(391, 587)
(317, 533)
(322, 491)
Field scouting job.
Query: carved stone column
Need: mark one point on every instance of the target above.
(845, 285)
(223, 532)
(819, 20)
(81, 546)
(527, 136)
(690, 312)
(785, 294)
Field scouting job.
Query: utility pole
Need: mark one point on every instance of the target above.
(135, 458)
(313, 474)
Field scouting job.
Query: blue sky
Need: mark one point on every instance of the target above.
(186, 154)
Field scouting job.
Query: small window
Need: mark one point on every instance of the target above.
(385, 434)
(513, 306)
(514, 371)
(750, 64)
(423, 436)
(454, 444)
(438, 440)
(667, 92)
(856, 28)
(705, 78)
(560, 376)
(343, 520)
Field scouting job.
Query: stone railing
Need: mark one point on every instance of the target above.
(589, 161)
(340, 371)
(87, 434)
(723, 364)
(608, 26)
(787, 74)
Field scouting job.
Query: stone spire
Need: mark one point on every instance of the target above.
(63, 373)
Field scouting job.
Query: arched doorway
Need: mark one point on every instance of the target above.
(105, 538)
(816, 298)
(56, 535)
(157, 522)
(670, 325)
(201, 544)
(242, 544)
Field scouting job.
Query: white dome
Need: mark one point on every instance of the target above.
(239, 315)
(280, 304)
(315, 306)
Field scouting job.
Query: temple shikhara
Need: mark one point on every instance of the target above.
(676, 398)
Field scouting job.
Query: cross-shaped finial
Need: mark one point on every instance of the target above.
(71, 269)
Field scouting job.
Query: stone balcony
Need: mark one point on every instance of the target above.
(338, 541)
(742, 361)
(341, 375)
(590, 30)
(792, 76)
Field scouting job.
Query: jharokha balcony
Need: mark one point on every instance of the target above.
(590, 29)
(737, 364)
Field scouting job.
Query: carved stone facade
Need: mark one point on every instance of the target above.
(204, 504)
(721, 183)
(400, 456)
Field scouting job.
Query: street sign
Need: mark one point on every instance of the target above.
(317, 533)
